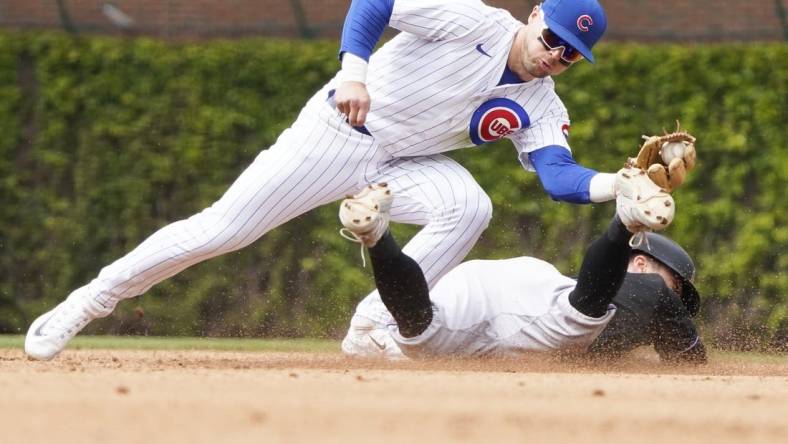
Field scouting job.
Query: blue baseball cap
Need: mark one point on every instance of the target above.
(580, 23)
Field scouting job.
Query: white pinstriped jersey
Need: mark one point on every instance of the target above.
(434, 87)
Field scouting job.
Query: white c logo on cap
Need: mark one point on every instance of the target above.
(584, 22)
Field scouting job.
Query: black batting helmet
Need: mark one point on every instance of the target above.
(674, 257)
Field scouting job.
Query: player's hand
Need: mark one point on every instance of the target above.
(352, 100)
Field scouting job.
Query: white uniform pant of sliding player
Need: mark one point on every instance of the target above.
(320, 159)
(482, 307)
(518, 305)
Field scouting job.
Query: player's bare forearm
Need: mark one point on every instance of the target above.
(352, 100)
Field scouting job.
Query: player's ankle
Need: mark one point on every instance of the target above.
(617, 232)
(385, 247)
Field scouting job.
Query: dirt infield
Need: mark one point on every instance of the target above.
(95, 396)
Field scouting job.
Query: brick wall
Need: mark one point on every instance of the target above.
(639, 20)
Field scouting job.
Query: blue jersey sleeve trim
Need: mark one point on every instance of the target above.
(561, 176)
(364, 24)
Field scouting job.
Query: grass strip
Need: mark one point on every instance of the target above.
(187, 343)
(292, 345)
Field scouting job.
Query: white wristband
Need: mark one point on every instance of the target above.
(354, 69)
(602, 187)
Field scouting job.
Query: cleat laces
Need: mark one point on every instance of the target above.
(353, 237)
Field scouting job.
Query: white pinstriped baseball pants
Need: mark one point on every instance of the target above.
(318, 160)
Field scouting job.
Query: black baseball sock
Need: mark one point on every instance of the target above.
(402, 286)
(603, 271)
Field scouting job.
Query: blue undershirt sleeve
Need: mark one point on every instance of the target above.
(364, 24)
(561, 176)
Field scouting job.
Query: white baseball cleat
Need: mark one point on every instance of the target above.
(366, 215)
(640, 203)
(50, 332)
(369, 340)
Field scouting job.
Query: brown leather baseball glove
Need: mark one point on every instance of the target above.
(667, 158)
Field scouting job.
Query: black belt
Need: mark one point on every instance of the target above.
(361, 128)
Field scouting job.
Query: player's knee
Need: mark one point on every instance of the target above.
(485, 209)
(471, 209)
(479, 209)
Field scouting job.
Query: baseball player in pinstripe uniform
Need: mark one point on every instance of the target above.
(459, 74)
(627, 294)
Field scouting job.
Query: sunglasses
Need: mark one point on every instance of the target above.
(551, 41)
